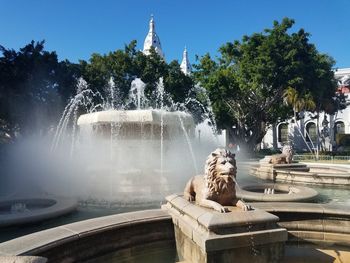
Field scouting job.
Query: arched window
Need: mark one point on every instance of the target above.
(339, 128)
(283, 132)
(311, 130)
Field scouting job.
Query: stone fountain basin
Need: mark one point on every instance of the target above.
(283, 193)
(37, 209)
(319, 224)
(135, 116)
(331, 174)
(315, 175)
(327, 170)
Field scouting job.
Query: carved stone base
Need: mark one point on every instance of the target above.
(205, 235)
(268, 171)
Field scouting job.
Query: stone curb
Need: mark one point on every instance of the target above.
(36, 243)
(60, 206)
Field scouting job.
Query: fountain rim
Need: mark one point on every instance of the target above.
(152, 116)
(298, 193)
(57, 206)
(42, 242)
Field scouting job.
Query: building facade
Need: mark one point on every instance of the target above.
(330, 132)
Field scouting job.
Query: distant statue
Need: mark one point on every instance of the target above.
(217, 188)
(286, 157)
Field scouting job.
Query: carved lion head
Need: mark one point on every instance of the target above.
(220, 170)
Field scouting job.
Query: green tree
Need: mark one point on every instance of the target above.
(176, 82)
(247, 81)
(31, 84)
(117, 64)
(126, 65)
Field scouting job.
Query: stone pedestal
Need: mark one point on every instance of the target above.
(205, 235)
(268, 171)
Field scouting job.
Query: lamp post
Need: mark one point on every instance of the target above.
(325, 131)
(231, 145)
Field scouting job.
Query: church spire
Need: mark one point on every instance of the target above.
(185, 66)
(152, 40)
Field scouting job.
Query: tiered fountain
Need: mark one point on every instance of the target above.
(130, 156)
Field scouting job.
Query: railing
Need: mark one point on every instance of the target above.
(327, 158)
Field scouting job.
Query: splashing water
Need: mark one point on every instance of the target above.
(137, 143)
(189, 144)
(160, 89)
(84, 98)
(137, 94)
(208, 109)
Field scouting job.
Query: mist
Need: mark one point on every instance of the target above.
(98, 169)
(114, 161)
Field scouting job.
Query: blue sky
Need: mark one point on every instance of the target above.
(77, 28)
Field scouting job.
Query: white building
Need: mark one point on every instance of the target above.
(152, 40)
(334, 130)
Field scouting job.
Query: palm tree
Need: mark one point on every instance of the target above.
(299, 103)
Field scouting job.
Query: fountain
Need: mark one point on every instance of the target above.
(114, 143)
(199, 233)
(151, 136)
(116, 157)
(147, 136)
(277, 169)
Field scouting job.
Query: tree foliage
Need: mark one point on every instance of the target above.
(126, 65)
(299, 102)
(33, 85)
(247, 81)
